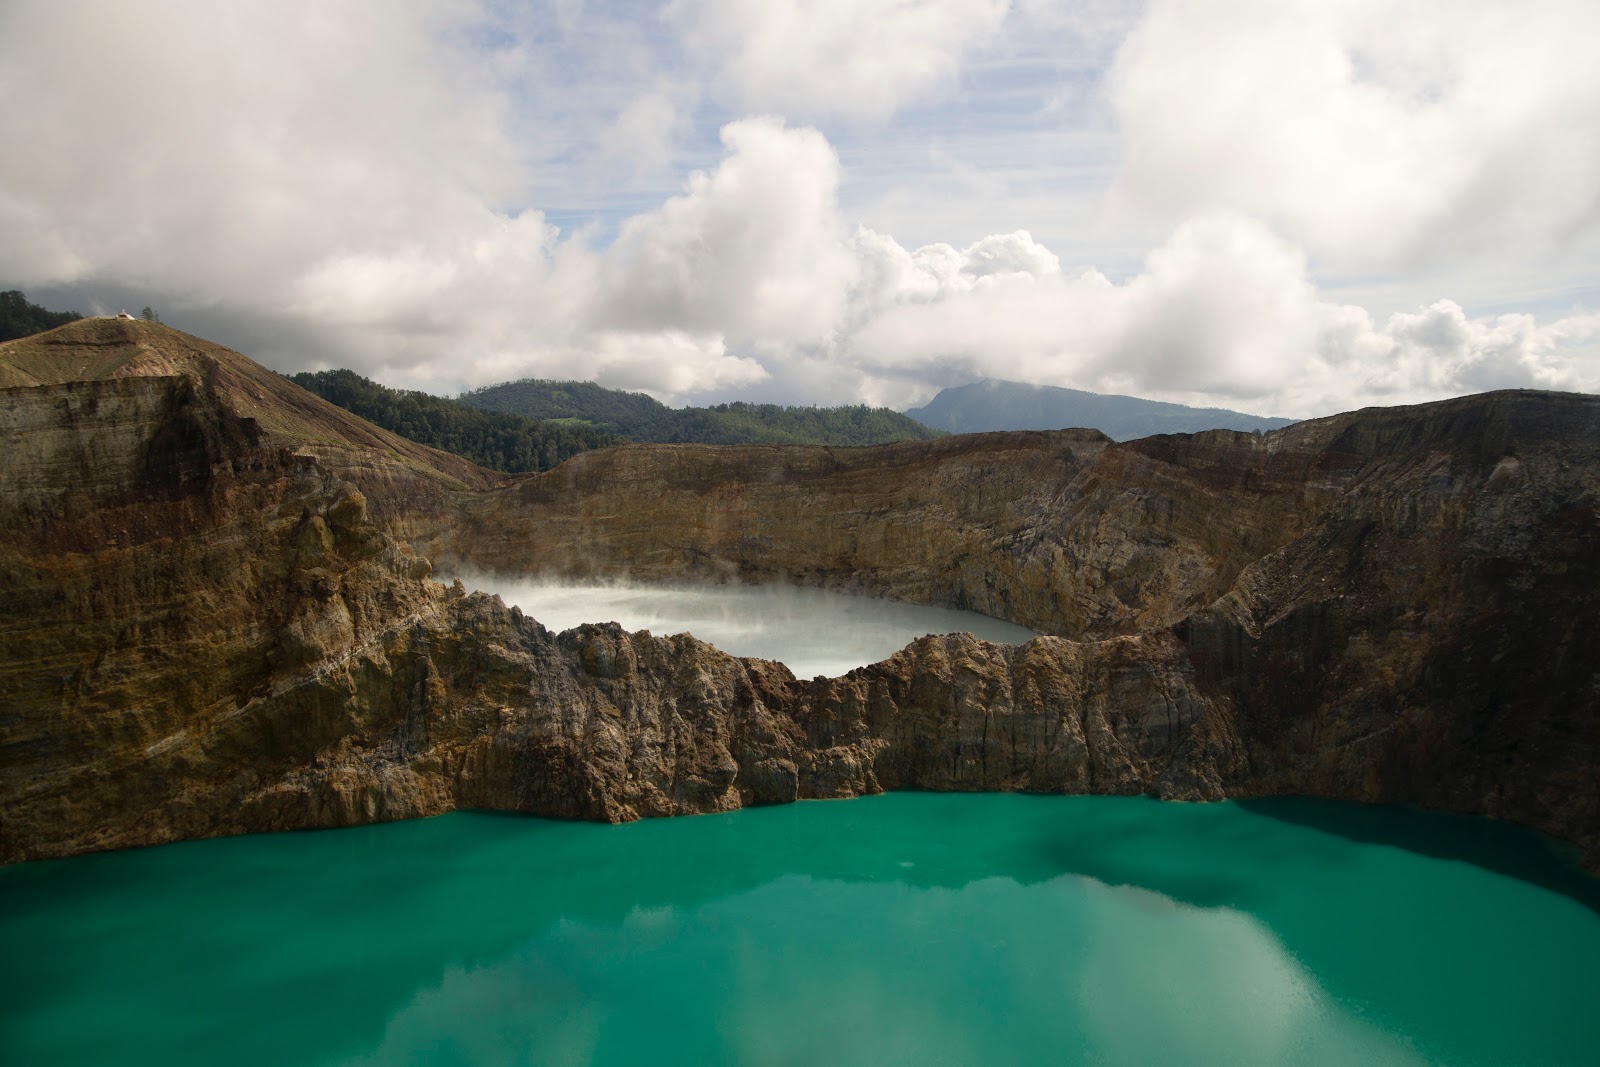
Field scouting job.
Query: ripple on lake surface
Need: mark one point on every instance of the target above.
(812, 631)
(909, 928)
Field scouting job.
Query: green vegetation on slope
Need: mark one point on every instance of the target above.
(499, 441)
(642, 418)
(18, 318)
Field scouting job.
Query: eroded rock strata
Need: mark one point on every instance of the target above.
(215, 620)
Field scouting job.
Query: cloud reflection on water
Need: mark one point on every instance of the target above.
(879, 972)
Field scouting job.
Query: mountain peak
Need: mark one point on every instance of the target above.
(107, 348)
(996, 404)
(98, 348)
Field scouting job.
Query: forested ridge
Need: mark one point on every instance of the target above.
(497, 440)
(638, 417)
(19, 318)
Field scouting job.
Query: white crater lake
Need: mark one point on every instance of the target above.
(811, 631)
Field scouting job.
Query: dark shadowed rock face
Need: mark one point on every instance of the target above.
(214, 623)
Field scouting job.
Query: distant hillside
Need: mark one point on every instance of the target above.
(641, 418)
(502, 442)
(19, 318)
(993, 404)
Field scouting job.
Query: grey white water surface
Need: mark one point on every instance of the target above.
(812, 631)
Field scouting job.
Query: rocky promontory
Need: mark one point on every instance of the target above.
(220, 615)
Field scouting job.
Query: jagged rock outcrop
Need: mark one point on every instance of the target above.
(214, 621)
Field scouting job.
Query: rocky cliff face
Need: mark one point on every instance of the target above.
(1063, 532)
(214, 620)
(1429, 639)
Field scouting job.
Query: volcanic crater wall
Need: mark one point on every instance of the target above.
(1063, 532)
(213, 626)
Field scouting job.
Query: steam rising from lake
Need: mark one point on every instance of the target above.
(812, 631)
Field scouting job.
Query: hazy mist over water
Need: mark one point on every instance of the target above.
(812, 631)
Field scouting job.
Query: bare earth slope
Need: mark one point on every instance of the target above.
(109, 350)
(214, 622)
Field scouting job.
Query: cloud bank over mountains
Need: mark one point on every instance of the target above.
(444, 195)
(1372, 133)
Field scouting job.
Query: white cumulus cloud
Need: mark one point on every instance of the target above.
(184, 141)
(1373, 132)
(411, 190)
(861, 59)
(752, 249)
(1222, 313)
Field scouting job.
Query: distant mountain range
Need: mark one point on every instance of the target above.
(534, 424)
(638, 417)
(994, 404)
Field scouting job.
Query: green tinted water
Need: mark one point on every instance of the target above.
(908, 928)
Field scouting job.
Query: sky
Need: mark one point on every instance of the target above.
(1285, 207)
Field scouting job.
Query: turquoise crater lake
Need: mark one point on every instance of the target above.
(908, 928)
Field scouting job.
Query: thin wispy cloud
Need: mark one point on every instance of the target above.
(1289, 208)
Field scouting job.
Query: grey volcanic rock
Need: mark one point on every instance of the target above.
(214, 621)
